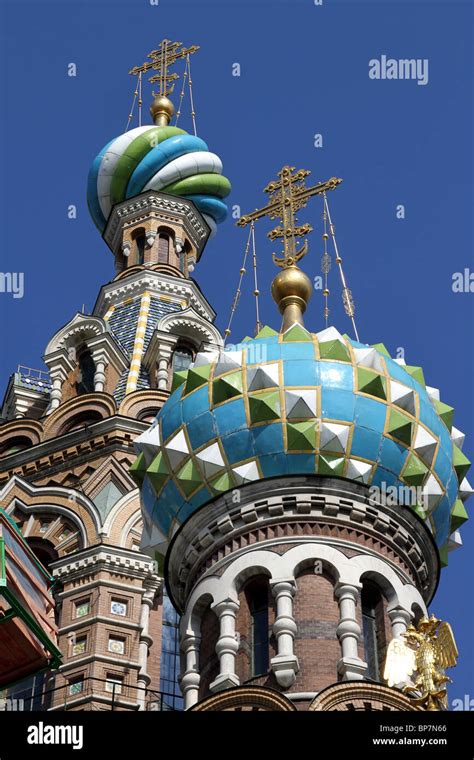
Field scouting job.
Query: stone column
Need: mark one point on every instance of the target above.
(99, 376)
(190, 679)
(227, 645)
(350, 666)
(145, 641)
(57, 378)
(285, 663)
(400, 620)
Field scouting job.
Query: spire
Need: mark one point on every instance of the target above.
(161, 59)
(291, 288)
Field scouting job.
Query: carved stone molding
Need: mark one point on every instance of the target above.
(198, 545)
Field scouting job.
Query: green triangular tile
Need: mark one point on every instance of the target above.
(158, 471)
(197, 377)
(223, 482)
(178, 379)
(138, 469)
(372, 383)
(227, 387)
(334, 349)
(418, 509)
(443, 555)
(189, 477)
(246, 339)
(329, 465)
(266, 332)
(301, 436)
(415, 471)
(416, 373)
(264, 407)
(458, 515)
(460, 462)
(445, 412)
(400, 426)
(297, 333)
(381, 349)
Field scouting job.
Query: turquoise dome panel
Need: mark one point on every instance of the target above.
(301, 403)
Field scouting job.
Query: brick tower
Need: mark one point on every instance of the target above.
(66, 438)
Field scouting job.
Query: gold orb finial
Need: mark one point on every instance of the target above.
(291, 290)
(162, 110)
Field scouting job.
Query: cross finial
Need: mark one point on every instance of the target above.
(165, 55)
(287, 195)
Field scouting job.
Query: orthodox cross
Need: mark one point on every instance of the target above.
(287, 195)
(166, 54)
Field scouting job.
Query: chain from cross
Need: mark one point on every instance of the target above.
(166, 54)
(287, 195)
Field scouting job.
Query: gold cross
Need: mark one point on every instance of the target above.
(287, 195)
(166, 54)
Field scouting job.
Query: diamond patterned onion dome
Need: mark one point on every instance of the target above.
(157, 158)
(302, 403)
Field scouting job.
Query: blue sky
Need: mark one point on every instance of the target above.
(304, 71)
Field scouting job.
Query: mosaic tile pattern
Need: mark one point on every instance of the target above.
(301, 403)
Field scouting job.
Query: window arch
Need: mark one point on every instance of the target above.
(86, 372)
(373, 629)
(139, 240)
(256, 592)
(163, 248)
(79, 420)
(182, 358)
(14, 445)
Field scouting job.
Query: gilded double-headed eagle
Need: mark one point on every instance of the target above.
(425, 651)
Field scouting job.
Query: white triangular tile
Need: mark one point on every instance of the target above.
(359, 471)
(177, 449)
(330, 333)
(300, 404)
(228, 360)
(433, 393)
(425, 445)
(457, 437)
(245, 473)
(431, 494)
(368, 357)
(465, 489)
(454, 541)
(210, 459)
(402, 396)
(148, 442)
(333, 437)
(263, 376)
(205, 357)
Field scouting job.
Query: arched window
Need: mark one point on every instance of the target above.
(257, 596)
(182, 358)
(80, 420)
(14, 445)
(85, 379)
(163, 248)
(140, 241)
(373, 629)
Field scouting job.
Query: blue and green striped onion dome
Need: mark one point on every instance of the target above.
(157, 158)
(302, 403)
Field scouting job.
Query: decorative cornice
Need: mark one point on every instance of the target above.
(306, 500)
(111, 559)
(157, 283)
(170, 209)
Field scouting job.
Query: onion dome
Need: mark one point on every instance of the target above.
(302, 403)
(161, 158)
